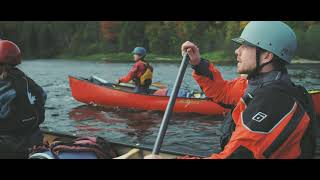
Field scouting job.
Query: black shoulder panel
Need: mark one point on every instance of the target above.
(267, 108)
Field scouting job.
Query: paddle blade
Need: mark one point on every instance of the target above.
(159, 85)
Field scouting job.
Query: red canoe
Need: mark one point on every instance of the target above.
(109, 94)
(114, 95)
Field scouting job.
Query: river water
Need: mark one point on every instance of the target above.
(188, 133)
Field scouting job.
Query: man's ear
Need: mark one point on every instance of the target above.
(266, 57)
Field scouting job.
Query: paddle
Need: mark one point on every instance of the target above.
(169, 109)
(157, 84)
(99, 79)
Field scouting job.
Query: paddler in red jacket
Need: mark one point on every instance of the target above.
(270, 117)
(141, 72)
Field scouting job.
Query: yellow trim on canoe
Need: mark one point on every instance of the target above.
(314, 91)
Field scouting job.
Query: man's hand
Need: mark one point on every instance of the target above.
(193, 52)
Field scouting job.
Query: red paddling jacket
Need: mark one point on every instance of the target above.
(270, 117)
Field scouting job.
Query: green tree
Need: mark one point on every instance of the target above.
(311, 42)
(162, 38)
(232, 29)
(131, 35)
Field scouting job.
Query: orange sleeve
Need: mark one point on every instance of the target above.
(188, 157)
(239, 146)
(220, 90)
(130, 74)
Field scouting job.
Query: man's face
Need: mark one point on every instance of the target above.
(136, 57)
(246, 57)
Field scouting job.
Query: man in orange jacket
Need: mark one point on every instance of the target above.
(271, 117)
(141, 72)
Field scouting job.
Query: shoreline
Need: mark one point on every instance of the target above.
(218, 57)
(175, 61)
(305, 61)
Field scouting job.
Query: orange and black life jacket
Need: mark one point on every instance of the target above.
(145, 78)
(279, 124)
(270, 118)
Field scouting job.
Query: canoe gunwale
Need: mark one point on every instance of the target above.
(114, 143)
(87, 81)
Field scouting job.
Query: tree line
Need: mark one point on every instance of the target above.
(49, 39)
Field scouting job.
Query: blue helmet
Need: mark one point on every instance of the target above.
(273, 36)
(140, 51)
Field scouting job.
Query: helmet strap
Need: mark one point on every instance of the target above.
(141, 57)
(259, 66)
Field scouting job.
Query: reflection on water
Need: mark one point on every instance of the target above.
(137, 122)
(142, 126)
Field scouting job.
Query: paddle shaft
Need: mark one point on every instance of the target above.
(159, 85)
(155, 84)
(169, 109)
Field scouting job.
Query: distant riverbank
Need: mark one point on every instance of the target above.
(219, 57)
(305, 61)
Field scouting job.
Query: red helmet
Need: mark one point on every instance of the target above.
(9, 53)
